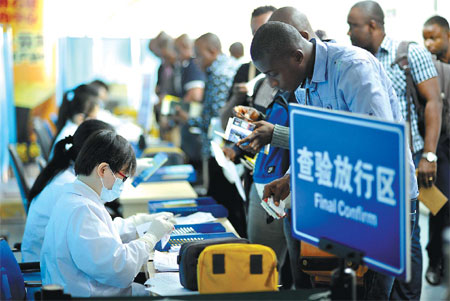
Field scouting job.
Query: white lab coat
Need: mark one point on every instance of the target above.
(68, 129)
(39, 214)
(85, 251)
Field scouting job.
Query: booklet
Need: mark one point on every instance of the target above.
(273, 210)
(238, 129)
(170, 102)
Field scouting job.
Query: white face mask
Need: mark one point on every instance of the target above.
(109, 195)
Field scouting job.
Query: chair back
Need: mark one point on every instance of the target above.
(12, 282)
(19, 172)
(44, 136)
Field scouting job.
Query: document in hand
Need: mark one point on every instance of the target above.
(170, 102)
(273, 210)
(237, 129)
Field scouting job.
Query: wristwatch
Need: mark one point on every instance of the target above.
(430, 157)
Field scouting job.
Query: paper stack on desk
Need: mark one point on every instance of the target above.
(167, 284)
(166, 261)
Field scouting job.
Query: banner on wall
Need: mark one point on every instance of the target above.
(34, 72)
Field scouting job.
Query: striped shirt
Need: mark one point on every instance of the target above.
(422, 69)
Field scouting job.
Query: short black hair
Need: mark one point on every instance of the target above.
(275, 39)
(438, 20)
(263, 10)
(99, 83)
(109, 147)
(372, 10)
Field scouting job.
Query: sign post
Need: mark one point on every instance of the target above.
(349, 185)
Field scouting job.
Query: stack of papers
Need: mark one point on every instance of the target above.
(167, 284)
(166, 261)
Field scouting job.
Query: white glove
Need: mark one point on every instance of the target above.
(143, 163)
(142, 218)
(159, 227)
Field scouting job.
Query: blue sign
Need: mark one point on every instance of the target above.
(349, 185)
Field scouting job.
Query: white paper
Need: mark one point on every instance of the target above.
(229, 169)
(167, 284)
(143, 228)
(195, 218)
(165, 261)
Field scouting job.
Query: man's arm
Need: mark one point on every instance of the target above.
(194, 95)
(424, 75)
(429, 90)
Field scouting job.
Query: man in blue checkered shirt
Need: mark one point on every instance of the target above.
(366, 21)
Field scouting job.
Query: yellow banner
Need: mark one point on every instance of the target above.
(34, 65)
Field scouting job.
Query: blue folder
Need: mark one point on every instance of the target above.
(198, 228)
(154, 205)
(216, 210)
(177, 240)
(185, 172)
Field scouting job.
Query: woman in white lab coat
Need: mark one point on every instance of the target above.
(84, 250)
(47, 187)
(77, 105)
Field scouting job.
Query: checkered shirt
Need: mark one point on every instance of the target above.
(422, 69)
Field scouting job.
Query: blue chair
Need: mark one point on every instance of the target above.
(13, 285)
(19, 172)
(44, 136)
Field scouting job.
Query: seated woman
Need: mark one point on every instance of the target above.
(47, 187)
(84, 250)
(77, 105)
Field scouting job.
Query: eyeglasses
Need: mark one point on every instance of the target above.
(124, 177)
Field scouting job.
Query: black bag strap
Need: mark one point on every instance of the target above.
(401, 59)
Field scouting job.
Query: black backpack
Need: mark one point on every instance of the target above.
(413, 96)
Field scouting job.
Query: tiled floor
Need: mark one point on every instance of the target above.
(13, 228)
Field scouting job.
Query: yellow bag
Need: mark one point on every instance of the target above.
(232, 268)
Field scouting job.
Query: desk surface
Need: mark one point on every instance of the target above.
(135, 199)
(145, 192)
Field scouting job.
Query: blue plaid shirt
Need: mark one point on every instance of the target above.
(219, 78)
(422, 69)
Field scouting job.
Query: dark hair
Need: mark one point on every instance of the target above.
(99, 83)
(263, 10)
(63, 155)
(438, 20)
(108, 147)
(274, 40)
(372, 10)
(83, 99)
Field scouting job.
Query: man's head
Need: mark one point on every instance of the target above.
(167, 49)
(184, 47)
(260, 16)
(207, 49)
(294, 17)
(436, 36)
(237, 50)
(153, 46)
(279, 51)
(366, 25)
